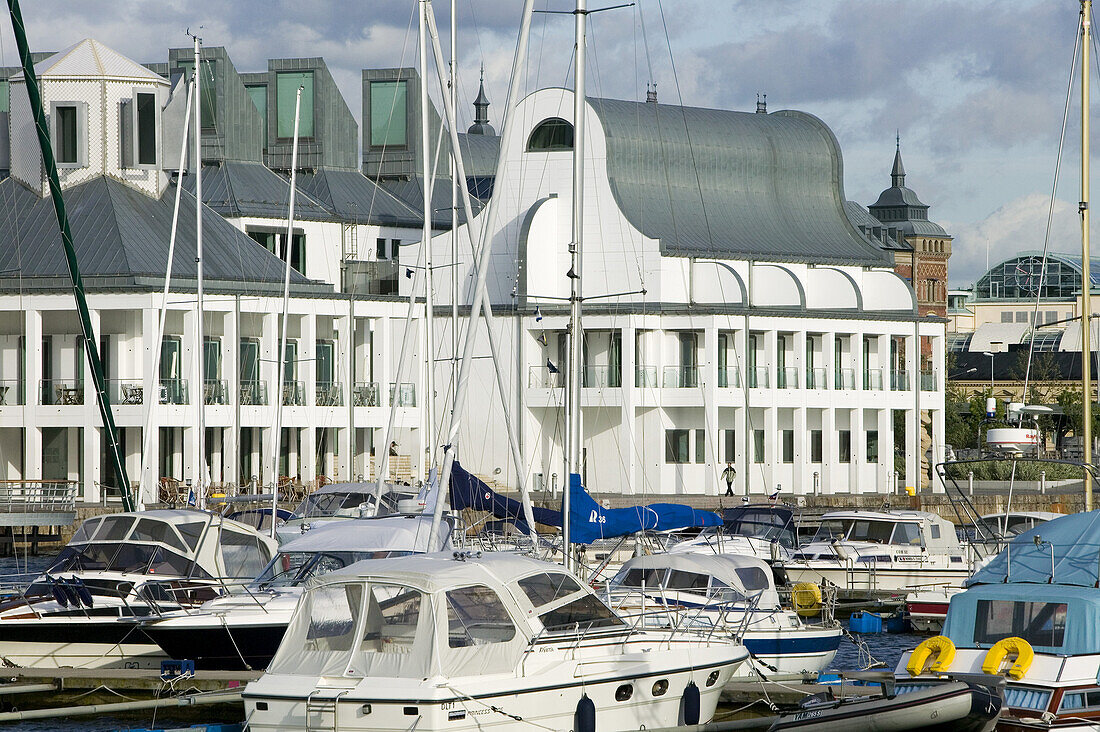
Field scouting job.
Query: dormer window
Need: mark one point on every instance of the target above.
(69, 125)
(551, 135)
(145, 125)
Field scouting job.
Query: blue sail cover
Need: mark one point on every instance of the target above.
(1075, 542)
(589, 521)
(469, 491)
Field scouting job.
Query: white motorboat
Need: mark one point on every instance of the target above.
(733, 594)
(1031, 615)
(765, 531)
(338, 501)
(881, 554)
(243, 629)
(465, 642)
(124, 566)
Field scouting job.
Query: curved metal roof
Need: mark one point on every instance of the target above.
(715, 183)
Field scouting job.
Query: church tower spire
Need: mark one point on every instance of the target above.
(897, 175)
(481, 124)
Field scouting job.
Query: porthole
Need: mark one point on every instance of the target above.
(713, 678)
(624, 692)
(660, 687)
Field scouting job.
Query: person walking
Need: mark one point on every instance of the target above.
(728, 475)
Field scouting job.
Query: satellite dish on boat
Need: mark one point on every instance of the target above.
(1036, 409)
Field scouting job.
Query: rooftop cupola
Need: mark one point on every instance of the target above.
(481, 124)
(897, 174)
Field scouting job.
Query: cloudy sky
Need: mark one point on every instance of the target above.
(976, 88)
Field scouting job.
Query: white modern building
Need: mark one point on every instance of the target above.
(758, 325)
(116, 129)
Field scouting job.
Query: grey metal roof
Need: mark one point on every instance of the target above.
(898, 196)
(411, 192)
(714, 183)
(879, 232)
(860, 216)
(479, 153)
(352, 197)
(121, 235)
(237, 188)
(919, 227)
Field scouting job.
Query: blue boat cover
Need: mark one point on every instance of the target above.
(1082, 613)
(469, 491)
(1075, 541)
(589, 521)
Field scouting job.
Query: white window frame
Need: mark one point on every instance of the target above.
(81, 133)
(134, 131)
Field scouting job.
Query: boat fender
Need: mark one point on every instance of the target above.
(806, 598)
(690, 705)
(939, 650)
(1017, 649)
(82, 591)
(584, 719)
(58, 593)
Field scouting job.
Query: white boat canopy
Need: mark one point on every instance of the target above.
(723, 577)
(408, 533)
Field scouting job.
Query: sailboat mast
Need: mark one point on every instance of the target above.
(576, 332)
(453, 85)
(1086, 279)
(200, 441)
(426, 242)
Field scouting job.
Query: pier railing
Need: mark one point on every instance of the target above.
(37, 496)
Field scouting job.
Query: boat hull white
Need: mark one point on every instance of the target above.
(864, 582)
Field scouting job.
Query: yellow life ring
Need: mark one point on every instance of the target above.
(806, 598)
(940, 646)
(1017, 650)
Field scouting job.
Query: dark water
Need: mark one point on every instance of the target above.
(881, 647)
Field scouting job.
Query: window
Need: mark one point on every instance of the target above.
(681, 580)
(700, 446)
(5, 105)
(286, 94)
(676, 446)
(145, 127)
(208, 109)
(388, 114)
(334, 610)
(1039, 623)
(550, 135)
(872, 446)
(753, 578)
(1006, 317)
(258, 94)
(542, 589)
(815, 446)
(586, 612)
(730, 446)
(844, 441)
(380, 251)
(269, 239)
(758, 446)
(67, 135)
(242, 554)
(906, 534)
(475, 617)
(788, 446)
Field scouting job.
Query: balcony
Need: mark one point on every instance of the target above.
(928, 380)
(294, 394)
(173, 391)
(729, 377)
(540, 377)
(329, 394)
(680, 377)
(787, 377)
(815, 379)
(405, 394)
(758, 377)
(253, 393)
(645, 377)
(872, 380)
(365, 394)
(56, 392)
(845, 379)
(125, 391)
(215, 391)
(899, 381)
(600, 377)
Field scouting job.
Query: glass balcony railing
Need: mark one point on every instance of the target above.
(365, 394)
(294, 394)
(680, 377)
(405, 394)
(899, 381)
(815, 379)
(215, 391)
(173, 391)
(253, 393)
(729, 378)
(329, 394)
(787, 377)
(645, 377)
(599, 377)
(845, 379)
(758, 377)
(541, 377)
(56, 392)
(928, 380)
(125, 391)
(872, 380)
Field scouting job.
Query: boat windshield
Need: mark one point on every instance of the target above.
(332, 504)
(768, 527)
(634, 578)
(1039, 623)
(124, 557)
(289, 569)
(832, 529)
(876, 532)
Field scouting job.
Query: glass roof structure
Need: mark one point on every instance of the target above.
(1022, 277)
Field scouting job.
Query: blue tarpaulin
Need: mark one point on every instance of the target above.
(1073, 542)
(469, 491)
(590, 521)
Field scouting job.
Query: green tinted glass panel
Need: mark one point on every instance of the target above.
(209, 107)
(388, 113)
(259, 98)
(286, 84)
(4, 104)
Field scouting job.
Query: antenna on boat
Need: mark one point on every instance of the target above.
(200, 341)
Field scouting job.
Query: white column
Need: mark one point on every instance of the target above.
(150, 390)
(307, 373)
(830, 449)
(626, 429)
(859, 455)
(709, 381)
(913, 451)
(231, 372)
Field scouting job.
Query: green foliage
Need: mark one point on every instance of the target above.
(1025, 470)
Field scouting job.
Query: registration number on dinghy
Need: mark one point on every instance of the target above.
(803, 716)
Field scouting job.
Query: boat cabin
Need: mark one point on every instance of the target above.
(916, 530)
(720, 579)
(451, 614)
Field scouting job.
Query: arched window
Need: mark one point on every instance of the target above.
(551, 134)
